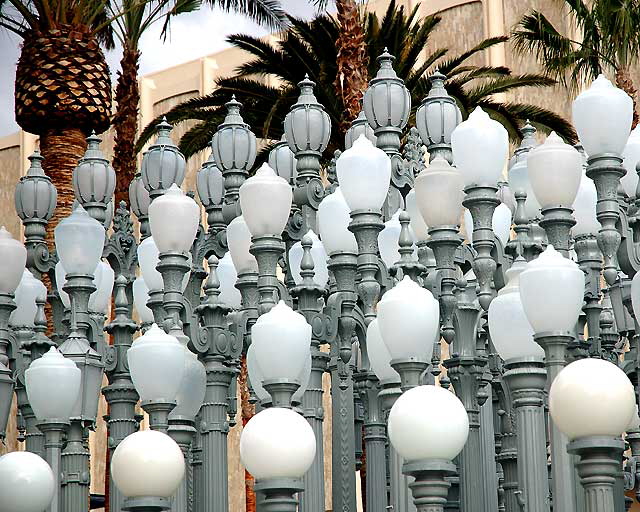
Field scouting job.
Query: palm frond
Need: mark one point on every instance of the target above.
(454, 62)
(265, 12)
(503, 84)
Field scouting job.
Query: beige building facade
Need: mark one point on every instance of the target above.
(465, 23)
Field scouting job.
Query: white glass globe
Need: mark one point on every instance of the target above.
(602, 115)
(555, 169)
(584, 208)
(53, 383)
(379, 356)
(286, 359)
(592, 397)
(192, 389)
(319, 256)
(418, 434)
(480, 147)
(148, 259)
(228, 277)
(147, 463)
(173, 219)
(439, 191)
(239, 240)
(500, 223)
(13, 255)
(26, 483)
(631, 156)
(79, 242)
(157, 364)
(511, 332)
(140, 299)
(265, 199)
(333, 223)
(418, 225)
(25, 297)
(277, 443)
(552, 290)
(104, 277)
(409, 321)
(364, 174)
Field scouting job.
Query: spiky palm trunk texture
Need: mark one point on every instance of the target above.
(125, 122)
(625, 82)
(352, 76)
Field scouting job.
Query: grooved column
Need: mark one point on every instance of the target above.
(526, 381)
(431, 486)
(401, 500)
(375, 445)
(53, 434)
(75, 473)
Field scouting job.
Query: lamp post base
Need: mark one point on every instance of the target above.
(146, 504)
(279, 494)
(158, 412)
(431, 487)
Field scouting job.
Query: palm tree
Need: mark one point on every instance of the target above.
(137, 18)
(608, 41)
(310, 47)
(62, 86)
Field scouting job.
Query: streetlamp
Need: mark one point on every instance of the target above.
(277, 447)
(53, 384)
(592, 401)
(27, 483)
(427, 444)
(162, 165)
(630, 159)
(319, 256)
(147, 468)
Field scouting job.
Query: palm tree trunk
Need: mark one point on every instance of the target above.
(61, 150)
(625, 82)
(125, 122)
(352, 76)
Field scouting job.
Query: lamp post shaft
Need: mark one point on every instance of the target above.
(375, 445)
(279, 495)
(182, 434)
(75, 470)
(53, 437)
(267, 250)
(431, 487)
(557, 223)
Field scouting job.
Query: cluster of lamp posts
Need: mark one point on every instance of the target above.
(520, 304)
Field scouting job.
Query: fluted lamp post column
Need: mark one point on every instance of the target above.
(526, 378)
(592, 401)
(551, 290)
(53, 383)
(277, 447)
(147, 467)
(428, 443)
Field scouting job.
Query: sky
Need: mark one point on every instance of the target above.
(192, 35)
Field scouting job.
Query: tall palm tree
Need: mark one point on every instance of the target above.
(608, 41)
(310, 47)
(62, 86)
(137, 18)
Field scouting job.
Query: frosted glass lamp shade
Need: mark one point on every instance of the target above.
(239, 240)
(480, 147)
(379, 356)
(53, 384)
(100, 300)
(388, 241)
(35, 196)
(592, 397)
(192, 389)
(13, 255)
(210, 184)
(157, 365)
(584, 208)
(555, 169)
(409, 321)
(418, 434)
(333, 223)
(139, 197)
(439, 192)
(519, 182)
(79, 242)
(255, 375)
(94, 180)
(500, 223)
(551, 290)
(634, 424)
(277, 443)
(140, 299)
(631, 156)
(228, 277)
(147, 463)
(174, 218)
(602, 115)
(25, 297)
(283, 161)
(265, 199)
(148, 259)
(511, 333)
(26, 482)
(234, 144)
(286, 359)
(418, 225)
(319, 256)
(364, 174)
